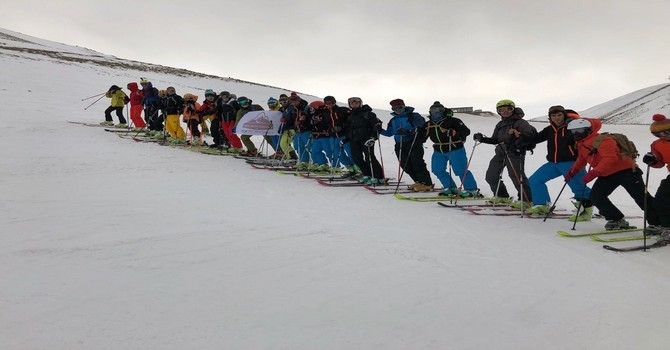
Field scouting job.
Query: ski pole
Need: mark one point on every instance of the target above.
(504, 165)
(553, 205)
(94, 102)
(130, 125)
(411, 146)
(381, 156)
(581, 204)
(519, 178)
(467, 166)
(372, 172)
(454, 199)
(90, 97)
(644, 219)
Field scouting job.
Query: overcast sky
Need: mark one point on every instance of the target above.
(462, 53)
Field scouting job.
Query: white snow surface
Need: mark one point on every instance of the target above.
(112, 244)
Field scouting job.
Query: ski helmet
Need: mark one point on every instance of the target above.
(505, 103)
(244, 101)
(210, 92)
(579, 128)
(579, 124)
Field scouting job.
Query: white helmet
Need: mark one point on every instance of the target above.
(579, 124)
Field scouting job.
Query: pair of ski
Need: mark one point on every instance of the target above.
(501, 210)
(432, 197)
(97, 125)
(272, 167)
(596, 236)
(312, 174)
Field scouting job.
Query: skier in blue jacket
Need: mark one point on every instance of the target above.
(408, 130)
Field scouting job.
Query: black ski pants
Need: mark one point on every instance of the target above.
(218, 136)
(662, 202)
(632, 182)
(364, 158)
(411, 161)
(515, 169)
(119, 113)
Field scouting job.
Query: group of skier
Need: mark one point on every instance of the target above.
(322, 135)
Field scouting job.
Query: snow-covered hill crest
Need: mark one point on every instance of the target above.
(634, 108)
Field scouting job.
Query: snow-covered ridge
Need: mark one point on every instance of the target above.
(21, 45)
(636, 107)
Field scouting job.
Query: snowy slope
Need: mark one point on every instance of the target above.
(634, 108)
(111, 244)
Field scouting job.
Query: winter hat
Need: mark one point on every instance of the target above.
(661, 123)
(209, 92)
(294, 97)
(272, 101)
(283, 97)
(436, 107)
(518, 112)
(556, 109)
(316, 104)
(397, 102)
(329, 99)
(224, 94)
(143, 81)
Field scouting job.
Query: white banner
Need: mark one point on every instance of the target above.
(259, 123)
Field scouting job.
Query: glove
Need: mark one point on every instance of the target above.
(478, 137)
(402, 131)
(370, 142)
(649, 159)
(592, 174)
(570, 174)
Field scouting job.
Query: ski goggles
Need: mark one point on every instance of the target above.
(505, 109)
(580, 133)
(243, 103)
(664, 133)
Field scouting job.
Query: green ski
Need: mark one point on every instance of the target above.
(597, 233)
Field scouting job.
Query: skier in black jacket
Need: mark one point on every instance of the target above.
(362, 130)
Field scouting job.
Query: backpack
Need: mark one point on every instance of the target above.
(626, 146)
